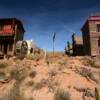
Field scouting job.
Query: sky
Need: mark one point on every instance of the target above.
(43, 17)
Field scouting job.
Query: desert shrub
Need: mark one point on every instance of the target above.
(87, 61)
(11, 94)
(18, 74)
(47, 62)
(15, 74)
(87, 73)
(30, 57)
(36, 56)
(32, 74)
(3, 65)
(31, 98)
(30, 83)
(39, 85)
(2, 73)
(52, 72)
(61, 94)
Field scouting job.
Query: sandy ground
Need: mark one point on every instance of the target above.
(59, 72)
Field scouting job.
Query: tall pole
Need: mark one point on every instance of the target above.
(53, 47)
(54, 35)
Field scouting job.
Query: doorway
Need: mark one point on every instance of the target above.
(5, 48)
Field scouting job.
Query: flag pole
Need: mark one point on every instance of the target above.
(54, 35)
(53, 47)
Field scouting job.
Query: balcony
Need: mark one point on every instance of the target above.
(6, 30)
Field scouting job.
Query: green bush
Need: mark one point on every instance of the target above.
(61, 94)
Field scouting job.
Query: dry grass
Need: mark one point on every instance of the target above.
(3, 65)
(32, 74)
(19, 73)
(31, 98)
(30, 83)
(61, 94)
(39, 85)
(2, 73)
(52, 72)
(35, 57)
(12, 92)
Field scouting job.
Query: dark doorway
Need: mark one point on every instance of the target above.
(5, 48)
(99, 42)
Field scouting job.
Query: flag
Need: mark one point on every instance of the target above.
(54, 35)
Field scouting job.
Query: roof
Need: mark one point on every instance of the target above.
(3, 20)
(10, 19)
(92, 18)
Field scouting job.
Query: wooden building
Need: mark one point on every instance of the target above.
(11, 31)
(91, 35)
(77, 45)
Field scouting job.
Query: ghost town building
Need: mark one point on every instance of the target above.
(91, 35)
(11, 31)
(77, 45)
(89, 43)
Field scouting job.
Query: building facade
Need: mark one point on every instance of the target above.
(11, 31)
(91, 36)
(77, 45)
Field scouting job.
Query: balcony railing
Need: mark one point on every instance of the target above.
(6, 32)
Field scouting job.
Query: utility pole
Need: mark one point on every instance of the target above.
(54, 35)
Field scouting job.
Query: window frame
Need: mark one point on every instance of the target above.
(98, 27)
(99, 42)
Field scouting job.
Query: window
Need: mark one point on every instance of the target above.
(98, 27)
(99, 42)
(1, 27)
(0, 47)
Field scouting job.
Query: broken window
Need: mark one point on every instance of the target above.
(98, 27)
(99, 42)
(0, 47)
(1, 27)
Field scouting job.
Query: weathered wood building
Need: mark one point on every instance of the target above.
(91, 36)
(11, 31)
(77, 45)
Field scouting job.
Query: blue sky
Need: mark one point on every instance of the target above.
(43, 17)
